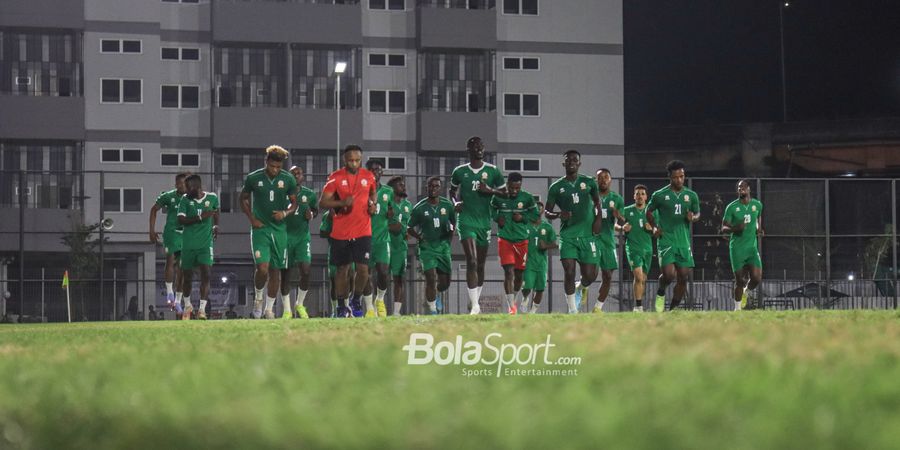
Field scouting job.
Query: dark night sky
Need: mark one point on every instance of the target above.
(717, 61)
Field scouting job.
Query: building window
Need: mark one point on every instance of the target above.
(116, 90)
(393, 5)
(121, 155)
(180, 159)
(391, 102)
(40, 63)
(520, 7)
(183, 54)
(123, 200)
(457, 82)
(521, 63)
(241, 72)
(521, 165)
(120, 46)
(314, 80)
(177, 96)
(390, 162)
(384, 59)
(521, 105)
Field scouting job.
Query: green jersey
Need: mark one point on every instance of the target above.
(476, 210)
(435, 222)
(270, 195)
(327, 223)
(402, 213)
(608, 202)
(384, 197)
(198, 236)
(296, 224)
(576, 197)
(169, 200)
(737, 212)
(504, 206)
(537, 258)
(673, 207)
(638, 239)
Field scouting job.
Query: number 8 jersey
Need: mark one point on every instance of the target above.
(270, 195)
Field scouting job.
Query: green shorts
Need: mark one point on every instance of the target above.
(482, 236)
(435, 256)
(534, 280)
(608, 254)
(639, 259)
(741, 258)
(381, 253)
(191, 258)
(582, 249)
(269, 246)
(681, 257)
(298, 251)
(398, 260)
(172, 242)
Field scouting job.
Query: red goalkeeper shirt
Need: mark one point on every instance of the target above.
(354, 221)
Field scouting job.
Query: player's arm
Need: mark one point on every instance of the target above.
(452, 220)
(693, 213)
(292, 208)
(598, 218)
(759, 226)
(183, 219)
(215, 229)
(394, 225)
(550, 242)
(154, 238)
(313, 210)
(454, 193)
(329, 197)
(248, 211)
(373, 198)
(411, 231)
(550, 205)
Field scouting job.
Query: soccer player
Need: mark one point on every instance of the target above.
(325, 233)
(611, 203)
(432, 223)
(171, 238)
(274, 194)
(678, 208)
(471, 187)
(399, 246)
(578, 199)
(743, 220)
(381, 243)
(350, 192)
(298, 245)
(198, 213)
(513, 211)
(638, 243)
(541, 237)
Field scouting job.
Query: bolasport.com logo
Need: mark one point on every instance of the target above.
(491, 357)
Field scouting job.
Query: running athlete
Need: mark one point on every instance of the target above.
(298, 244)
(198, 213)
(432, 223)
(513, 211)
(743, 220)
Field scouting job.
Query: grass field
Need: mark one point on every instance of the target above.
(808, 379)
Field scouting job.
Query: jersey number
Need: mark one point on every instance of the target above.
(271, 196)
(746, 218)
(377, 208)
(575, 198)
(437, 222)
(475, 185)
(641, 222)
(200, 213)
(678, 208)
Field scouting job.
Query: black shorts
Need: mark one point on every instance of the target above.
(351, 251)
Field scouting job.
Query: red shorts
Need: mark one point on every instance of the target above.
(513, 253)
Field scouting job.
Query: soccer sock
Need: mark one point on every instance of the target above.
(203, 305)
(510, 300)
(479, 291)
(260, 293)
(661, 292)
(473, 296)
(178, 297)
(368, 300)
(270, 302)
(334, 304)
(346, 302)
(301, 295)
(737, 305)
(286, 302)
(535, 307)
(638, 309)
(600, 304)
(432, 306)
(169, 288)
(397, 307)
(379, 295)
(570, 302)
(186, 301)
(639, 303)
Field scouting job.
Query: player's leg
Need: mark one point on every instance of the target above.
(399, 293)
(589, 258)
(536, 302)
(382, 277)
(360, 253)
(637, 287)
(398, 272)
(569, 283)
(443, 283)
(285, 291)
(302, 289)
(170, 279)
(341, 283)
(518, 280)
(368, 295)
(520, 251)
(755, 279)
(740, 284)
(468, 245)
(431, 290)
(186, 278)
(507, 255)
(666, 277)
(682, 276)
(605, 284)
(204, 291)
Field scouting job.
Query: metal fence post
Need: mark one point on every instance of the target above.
(894, 237)
(827, 242)
(102, 184)
(22, 204)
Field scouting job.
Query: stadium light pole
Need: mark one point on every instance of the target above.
(339, 68)
(782, 5)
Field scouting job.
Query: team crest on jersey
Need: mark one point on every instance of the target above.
(303, 199)
(543, 232)
(365, 182)
(280, 184)
(406, 209)
(753, 208)
(686, 198)
(667, 197)
(443, 211)
(583, 186)
(484, 175)
(384, 197)
(206, 204)
(343, 182)
(259, 183)
(426, 214)
(258, 254)
(612, 204)
(520, 205)
(562, 190)
(738, 209)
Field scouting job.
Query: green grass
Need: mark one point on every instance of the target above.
(807, 379)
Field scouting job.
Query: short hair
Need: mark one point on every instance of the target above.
(603, 169)
(674, 165)
(514, 177)
(640, 186)
(182, 175)
(352, 147)
(297, 167)
(192, 177)
(394, 180)
(744, 180)
(430, 179)
(372, 161)
(570, 151)
(276, 153)
(471, 141)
